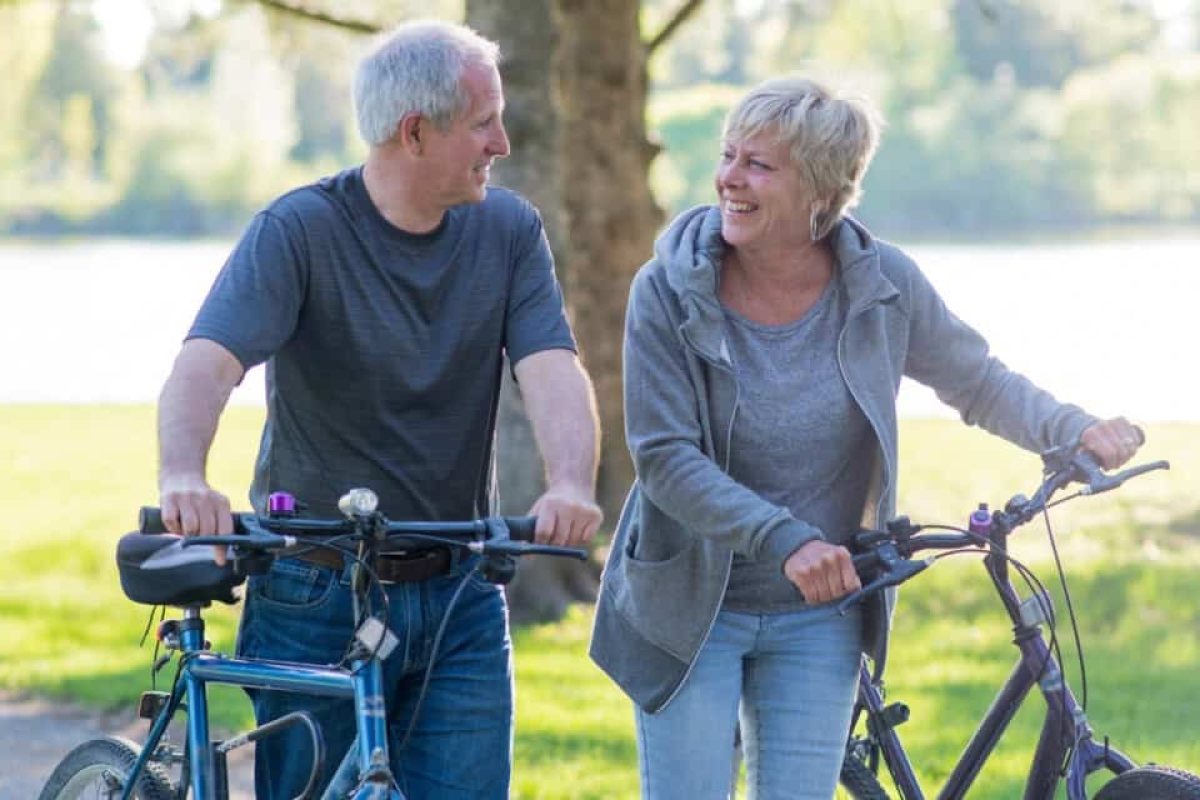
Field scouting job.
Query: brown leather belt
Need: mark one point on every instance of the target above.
(391, 567)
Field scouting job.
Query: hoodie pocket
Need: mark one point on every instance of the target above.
(661, 600)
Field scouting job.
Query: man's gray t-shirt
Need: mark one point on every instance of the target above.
(799, 439)
(384, 348)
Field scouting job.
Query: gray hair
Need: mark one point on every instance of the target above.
(831, 139)
(416, 69)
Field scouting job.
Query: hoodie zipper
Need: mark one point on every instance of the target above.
(725, 366)
(875, 426)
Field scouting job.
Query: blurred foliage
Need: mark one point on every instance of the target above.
(1001, 114)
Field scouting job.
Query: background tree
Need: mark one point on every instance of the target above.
(576, 82)
(1042, 44)
(531, 46)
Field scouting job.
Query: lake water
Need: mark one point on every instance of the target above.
(1111, 325)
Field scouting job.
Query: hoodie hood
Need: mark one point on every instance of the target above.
(690, 252)
(690, 249)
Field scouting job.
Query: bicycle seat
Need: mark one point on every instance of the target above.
(156, 569)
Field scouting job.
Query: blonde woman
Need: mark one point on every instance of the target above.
(764, 345)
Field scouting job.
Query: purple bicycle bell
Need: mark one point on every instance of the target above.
(281, 504)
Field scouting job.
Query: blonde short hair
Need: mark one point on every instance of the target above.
(831, 139)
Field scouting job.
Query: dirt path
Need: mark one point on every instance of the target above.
(36, 734)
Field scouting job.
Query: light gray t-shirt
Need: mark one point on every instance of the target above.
(384, 348)
(799, 439)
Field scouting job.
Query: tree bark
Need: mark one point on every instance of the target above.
(610, 210)
(575, 83)
(529, 44)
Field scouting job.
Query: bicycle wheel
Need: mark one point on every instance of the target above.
(98, 769)
(1152, 783)
(858, 780)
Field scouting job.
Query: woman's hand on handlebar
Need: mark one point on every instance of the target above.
(822, 571)
(190, 507)
(1112, 441)
(566, 516)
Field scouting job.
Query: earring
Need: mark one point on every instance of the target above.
(814, 224)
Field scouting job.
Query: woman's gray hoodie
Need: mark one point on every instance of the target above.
(685, 517)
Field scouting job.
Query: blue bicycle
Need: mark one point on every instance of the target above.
(1068, 747)
(161, 569)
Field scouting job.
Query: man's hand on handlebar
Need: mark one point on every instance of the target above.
(1112, 441)
(566, 516)
(190, 507)
(822, 571)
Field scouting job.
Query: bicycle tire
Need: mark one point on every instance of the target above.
(860, 782)
(97, 766)
(1152, 782)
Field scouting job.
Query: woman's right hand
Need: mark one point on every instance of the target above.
(822, 572)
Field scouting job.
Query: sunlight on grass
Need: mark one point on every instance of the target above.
(75, 479)
(75, 476)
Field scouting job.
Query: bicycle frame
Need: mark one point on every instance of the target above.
(363, 682)
(1065, 725)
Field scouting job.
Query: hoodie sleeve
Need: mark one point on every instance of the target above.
(665, 403)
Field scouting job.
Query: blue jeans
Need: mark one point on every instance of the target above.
(461, 746)
(794, 677)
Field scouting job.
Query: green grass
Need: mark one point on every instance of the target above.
(73, 477)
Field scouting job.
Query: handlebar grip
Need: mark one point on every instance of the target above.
(521, 529)
(150, 520)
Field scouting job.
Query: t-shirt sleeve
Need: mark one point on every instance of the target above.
(254, 304)
(535, 317)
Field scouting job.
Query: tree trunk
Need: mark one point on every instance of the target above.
(575, 84)
(611, 213)
(528, 38)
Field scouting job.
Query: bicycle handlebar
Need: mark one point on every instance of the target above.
(519, 528)
(883, 558)
(491, 535)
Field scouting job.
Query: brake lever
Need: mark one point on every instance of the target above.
(1104, 483)
(515, 548)
(261, 540)
(895, 574)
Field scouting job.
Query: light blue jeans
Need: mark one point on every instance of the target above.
(794, 677)
(461, 747)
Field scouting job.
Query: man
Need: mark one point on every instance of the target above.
(382, 300)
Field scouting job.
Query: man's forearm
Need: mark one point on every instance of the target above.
(561, 407)
(190, 407)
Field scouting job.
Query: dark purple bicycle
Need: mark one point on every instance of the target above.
(1067, 749)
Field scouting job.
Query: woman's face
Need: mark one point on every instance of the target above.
(762, 199)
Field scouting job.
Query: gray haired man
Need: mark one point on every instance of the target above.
(382, 300)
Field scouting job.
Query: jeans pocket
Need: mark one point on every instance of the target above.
(292, 584)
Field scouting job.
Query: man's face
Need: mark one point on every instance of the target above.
(460, 157)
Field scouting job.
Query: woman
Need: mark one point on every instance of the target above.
(765, 342)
